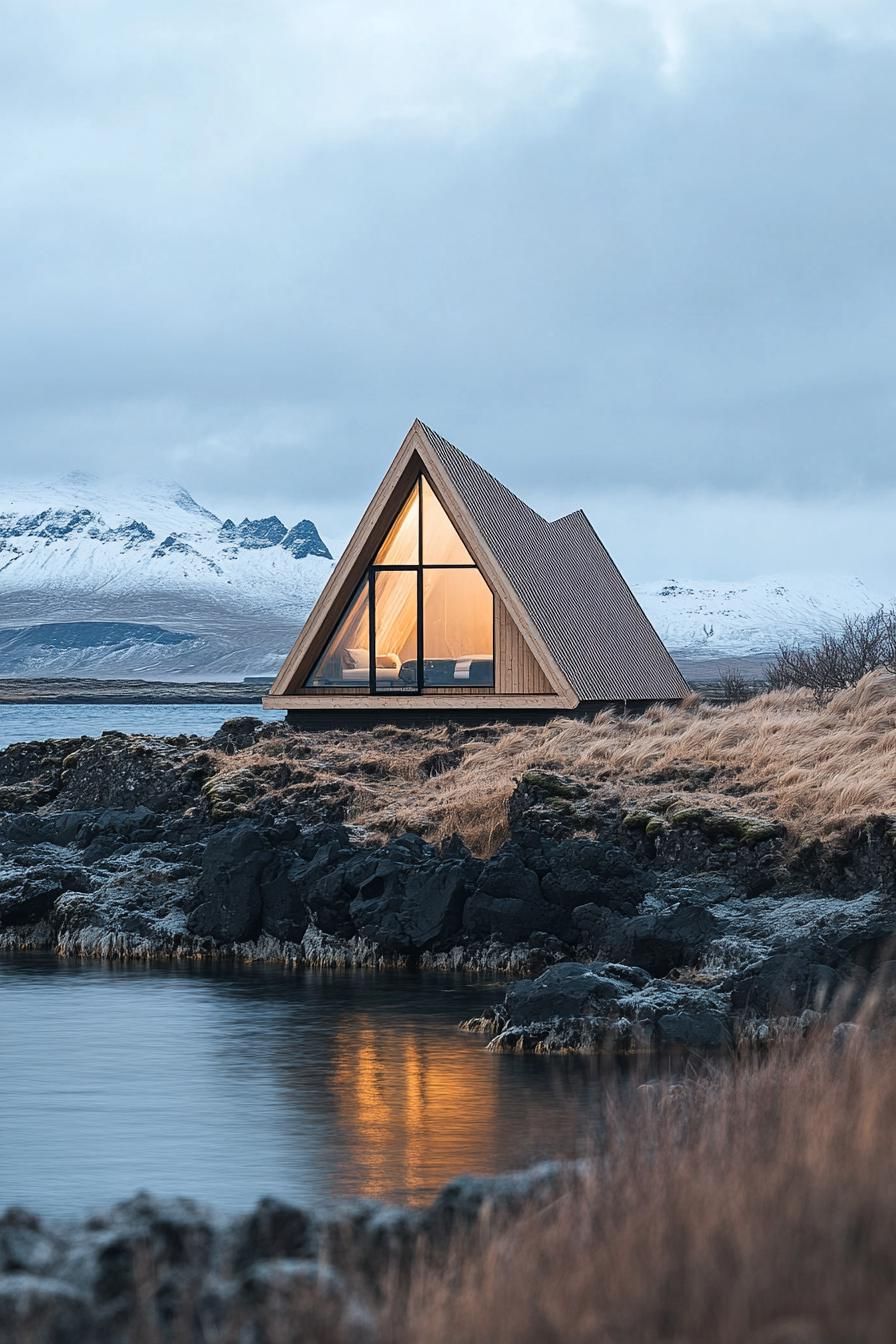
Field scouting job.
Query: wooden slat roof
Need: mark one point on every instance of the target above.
(576, 597)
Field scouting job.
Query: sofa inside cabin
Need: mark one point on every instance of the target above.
(395, 673)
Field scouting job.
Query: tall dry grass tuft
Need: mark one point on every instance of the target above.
(758, 1207)
(817, 768)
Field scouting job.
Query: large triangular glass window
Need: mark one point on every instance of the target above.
(423, 616)
(346, 659)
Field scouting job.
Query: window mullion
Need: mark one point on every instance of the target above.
(420, 630)
(371, 634)
(420, 584)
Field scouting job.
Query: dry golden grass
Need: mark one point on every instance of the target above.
(755, 1208)
(817, 769)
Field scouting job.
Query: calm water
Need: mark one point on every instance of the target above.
(29, 723)
(227, 1085)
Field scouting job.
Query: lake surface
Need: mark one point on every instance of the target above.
(30, 723)
(230, 1084)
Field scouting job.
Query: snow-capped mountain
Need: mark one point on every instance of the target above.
(122, 553)
(128, 537)
(712, 619)
(130, 578)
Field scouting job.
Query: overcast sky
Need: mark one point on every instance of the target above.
(638, 255)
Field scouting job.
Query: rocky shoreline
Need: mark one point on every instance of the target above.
(637, 927)
(173, 1269)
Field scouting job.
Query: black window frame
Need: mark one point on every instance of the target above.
(419, 569)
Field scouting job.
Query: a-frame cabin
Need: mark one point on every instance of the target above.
(455, 599)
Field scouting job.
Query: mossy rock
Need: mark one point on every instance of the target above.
(754, 830)
(227, 792)
(639, 818)
(691, 816)
(553, 786)
(726, 825)
(666, 802)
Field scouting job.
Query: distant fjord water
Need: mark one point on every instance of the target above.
(36, 723)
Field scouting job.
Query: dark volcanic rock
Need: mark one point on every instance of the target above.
(284, 914)
(321, 875)
(509, 905)
(434, 901)
(129, 846)
(52, 828)
(174, 1236)
(46, 1311)
(237, 733)
(694, 1026)
(784, 984)
(569, 990)
(460, 1203)
(26, 1245)
(598, 930)
(578, 872)
(408, 897)
(274, 1230)
(232, 866)
(168, 1269)
(605, 1005)
(252, 881)
(408, 911)
(121, 771)
(667, 939)
(31, 902)
(274, 1291)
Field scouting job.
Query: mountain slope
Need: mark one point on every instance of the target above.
(707, 619)
(132, 552)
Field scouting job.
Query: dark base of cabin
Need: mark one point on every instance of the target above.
(327, 719)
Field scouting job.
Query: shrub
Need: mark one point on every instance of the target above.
(840, 658)
(734, 687)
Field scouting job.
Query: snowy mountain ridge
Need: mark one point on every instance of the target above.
(109, 555)
(79, 537)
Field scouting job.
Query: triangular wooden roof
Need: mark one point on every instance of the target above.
(572, 605)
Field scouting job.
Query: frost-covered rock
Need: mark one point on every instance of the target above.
(604, 1005)
(150, 1268)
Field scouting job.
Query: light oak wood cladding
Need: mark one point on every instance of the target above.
(489, 701)
(532, 663)
(516, 669)
(568, 629)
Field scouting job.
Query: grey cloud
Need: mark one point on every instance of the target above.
(652, 285)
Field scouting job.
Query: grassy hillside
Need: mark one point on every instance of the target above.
(817, 770)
